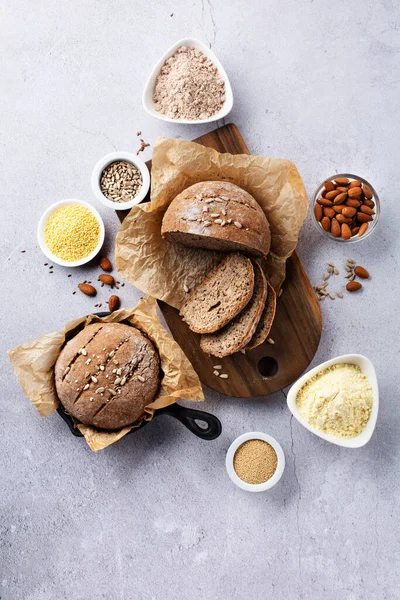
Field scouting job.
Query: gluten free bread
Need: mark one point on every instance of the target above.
(107, 374)
(265, 323)
(217, 215)
(238, 333)
(221, 296)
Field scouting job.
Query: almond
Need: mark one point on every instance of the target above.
(107, 279)
(324, 202)
(349, 211)
(338, 208)
(329, 185)
(342, 219)
(369, 203)
(326, 223)
(105, 264)
(355, 192)
(318, 212)
(363, 229)
(335, 228)
(340, 198)
(361, 272)
(345, 231)
(87, 289)
(342, 181)
(367, 191)
(332, 194)
(353, 286)
(329, 212)
(363, 218)
(114, 303)
(353, 202)
(367, 210)
(342, 188)
(355, 183)
(354, 230)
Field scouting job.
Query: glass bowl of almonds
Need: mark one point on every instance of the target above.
(346, 208)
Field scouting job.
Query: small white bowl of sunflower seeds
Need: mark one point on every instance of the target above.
(120, 180)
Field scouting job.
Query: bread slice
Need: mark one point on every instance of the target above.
(217, 215)
(239, 331)
(221, 296)
(265, 323)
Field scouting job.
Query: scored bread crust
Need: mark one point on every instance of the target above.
(218, 344)
(98, 351)
(240, 224)
(202, 301)
(267, 318)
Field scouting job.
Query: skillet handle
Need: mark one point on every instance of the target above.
(188, 417)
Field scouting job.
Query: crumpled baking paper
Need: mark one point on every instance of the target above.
(33, 364)
(161, 268)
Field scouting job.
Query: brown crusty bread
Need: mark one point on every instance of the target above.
(221, 296)
(109, 353)
(234, 336)
(217, 215)
(265, 323)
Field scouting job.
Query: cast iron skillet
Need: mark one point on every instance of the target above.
(187, 416)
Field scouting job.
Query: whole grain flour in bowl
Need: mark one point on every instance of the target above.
(189, 86)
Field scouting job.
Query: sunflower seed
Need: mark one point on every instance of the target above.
(348, 275)
(280, 292)
(102, 367)
(332, 296)
(88, 361)
(336, 271)
(223, 212)
(209, 200)
(185, 288)
(352, 278)
(115, 361)
(112, 392)
(326, 276)
(237, 224)
(218, 367)
(320, 298)
(351, 261)
(118, 371)
(348, 268)
(142, 379)
(94, 379)
(205, 209)
(218, 221)
(83, 352)
(206, 223)
(214, 215)
(270, 341)
(85, 387)
(117, 381)
(99, 390)
(91, 399)
(224, 376)
(67, 370)
(331, 265)
(123, 381)
(216, 373)
(111, 354)
(339, 294)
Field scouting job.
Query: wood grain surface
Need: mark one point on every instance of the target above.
(296, 330)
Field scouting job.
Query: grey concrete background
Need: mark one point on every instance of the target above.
(155, 516)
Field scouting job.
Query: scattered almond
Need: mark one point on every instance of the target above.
(105, 264)
(113, 303)
(353, 286)
(361, 272)
(107, 279)
(87, 289)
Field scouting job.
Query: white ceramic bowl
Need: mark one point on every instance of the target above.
(148, 90)
(41, 239)
(255, 487)
(107, 160)
(369, 371)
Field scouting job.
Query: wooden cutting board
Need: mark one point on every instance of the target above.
(296, 330)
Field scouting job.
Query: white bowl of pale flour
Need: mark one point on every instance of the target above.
(183, 106)
(337, 405)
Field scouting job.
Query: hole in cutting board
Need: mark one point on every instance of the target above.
(267, 366)
(201, 424)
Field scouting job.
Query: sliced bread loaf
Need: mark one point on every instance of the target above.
(239, 331)
(217, 215)
(265, 323)
(221, 296)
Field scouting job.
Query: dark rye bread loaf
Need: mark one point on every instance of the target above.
(107, 374)
(217, 215)
(265, 323)
(238, 333)
(221, 296)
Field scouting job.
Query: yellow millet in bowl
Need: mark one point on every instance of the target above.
(72, 232)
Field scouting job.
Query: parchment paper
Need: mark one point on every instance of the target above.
(161, 268)
(34, 361)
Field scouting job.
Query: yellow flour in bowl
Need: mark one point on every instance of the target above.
(337, 401)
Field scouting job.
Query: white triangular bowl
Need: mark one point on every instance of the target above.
(147, 97)
(368, 370)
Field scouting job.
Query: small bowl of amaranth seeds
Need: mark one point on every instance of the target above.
(120, 180)
(255, 461)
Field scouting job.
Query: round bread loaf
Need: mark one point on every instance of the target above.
(217, 215)
(107, 374)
